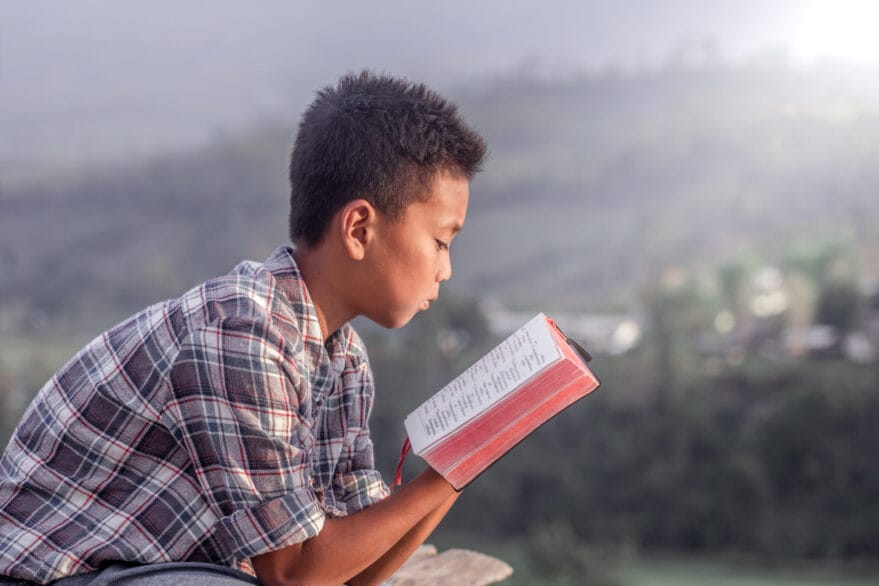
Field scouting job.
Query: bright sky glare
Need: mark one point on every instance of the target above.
(838, 29)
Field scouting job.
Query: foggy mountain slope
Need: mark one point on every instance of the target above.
(122, 238)
(597, 184)
(594, 184)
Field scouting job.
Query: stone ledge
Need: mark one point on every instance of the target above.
(461, 567)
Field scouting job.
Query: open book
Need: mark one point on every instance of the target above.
(479, 416)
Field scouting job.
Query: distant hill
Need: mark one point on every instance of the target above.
(594, 185)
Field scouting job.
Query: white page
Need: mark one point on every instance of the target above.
(512, 362)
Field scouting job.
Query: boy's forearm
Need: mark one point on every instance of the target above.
(348, 545)
(400, 552)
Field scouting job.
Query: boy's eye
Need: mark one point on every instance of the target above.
(442, 245)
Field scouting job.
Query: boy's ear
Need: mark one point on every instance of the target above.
(356, 223)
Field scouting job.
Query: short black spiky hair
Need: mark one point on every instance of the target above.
(377, 137)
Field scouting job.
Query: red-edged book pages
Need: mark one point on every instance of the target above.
(493, 405)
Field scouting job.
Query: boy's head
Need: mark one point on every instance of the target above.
(379, 138)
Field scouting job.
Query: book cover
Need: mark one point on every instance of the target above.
(534, 374)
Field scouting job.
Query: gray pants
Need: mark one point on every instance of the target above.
(167, 574)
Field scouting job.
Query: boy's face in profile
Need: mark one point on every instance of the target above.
(411, 256)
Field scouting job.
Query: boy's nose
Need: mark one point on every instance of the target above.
(445, 271)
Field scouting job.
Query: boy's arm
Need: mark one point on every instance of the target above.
(403, 549)
(373, 541)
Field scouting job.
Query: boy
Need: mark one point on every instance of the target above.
(227, 428)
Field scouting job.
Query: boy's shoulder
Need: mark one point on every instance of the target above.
(267, 290)
(274, 291)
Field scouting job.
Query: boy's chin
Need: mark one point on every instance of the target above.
(394, 321)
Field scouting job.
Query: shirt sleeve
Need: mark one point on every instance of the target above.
(235, 407)
(357, 484)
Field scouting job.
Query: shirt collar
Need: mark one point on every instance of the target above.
(325, 358)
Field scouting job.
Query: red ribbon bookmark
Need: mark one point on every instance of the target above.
(398, 475)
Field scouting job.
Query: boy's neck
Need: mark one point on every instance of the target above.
(317, 268)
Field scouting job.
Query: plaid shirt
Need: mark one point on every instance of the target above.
(213, 427)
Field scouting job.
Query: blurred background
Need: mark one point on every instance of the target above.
(689, 188)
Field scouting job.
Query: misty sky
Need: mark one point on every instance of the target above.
(87, 81)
